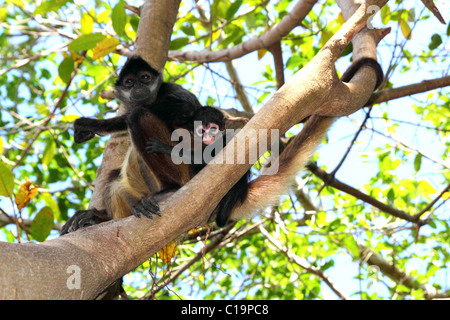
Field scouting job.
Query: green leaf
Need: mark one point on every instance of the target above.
(351, 245)
(435, 41)
(86, 42)
(66, 68)
(233, 9)
(391, 194)
(417, 162)
(385, 14)
(119, 18)
(49, 152)
(6, 181)
(188, 29)
(178, 43)
(42, 224)
(51, 203)
(411, 15)
(51, 5)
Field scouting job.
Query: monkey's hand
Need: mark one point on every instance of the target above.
(156, 146)
(84, 218)
(81, 131)
(148, 206)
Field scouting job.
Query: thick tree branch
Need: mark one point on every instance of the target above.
(263, 41)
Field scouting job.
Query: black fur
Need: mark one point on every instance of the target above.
(238, 193)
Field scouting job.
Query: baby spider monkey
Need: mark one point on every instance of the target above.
(208, 126)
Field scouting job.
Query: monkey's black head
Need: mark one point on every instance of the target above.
(138, 82)
(212, 122)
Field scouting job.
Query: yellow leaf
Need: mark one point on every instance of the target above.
(104, 16)
(195, 230)
(18, 3)
(76, 57)
(25, 193)
(87, 24)
(168, 252)
(406, 30)
(215, 35)
(105, 47)
(340, 19)
(69, 117)
(1, 145)
(261, 53)
(445, 196)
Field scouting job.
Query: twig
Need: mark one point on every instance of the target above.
(302, 263)
(362, 196)
(431, 204)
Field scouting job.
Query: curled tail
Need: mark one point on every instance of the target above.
(266, 189)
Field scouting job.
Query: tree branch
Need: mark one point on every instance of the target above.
(331, 181)
(408, 90)
(263, 41)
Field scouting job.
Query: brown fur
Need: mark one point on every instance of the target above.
(266, 189)
(141, 174)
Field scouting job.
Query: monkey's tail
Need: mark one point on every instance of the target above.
(266, 189)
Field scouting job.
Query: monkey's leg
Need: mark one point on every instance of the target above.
(86, 128)
(144, 125)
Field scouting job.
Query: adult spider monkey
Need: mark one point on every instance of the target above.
(134, 181)
(155, 109)
(208, 126)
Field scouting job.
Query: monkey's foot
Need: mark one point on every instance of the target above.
(81, 133)
(84, 218)
(82, 136)
(148, 206)
(156, 146)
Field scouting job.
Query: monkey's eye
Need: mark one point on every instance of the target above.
(128, 82)
(214, 129)
(199, 131)
(145, 77)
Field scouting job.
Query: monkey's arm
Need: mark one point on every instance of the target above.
(86, 128)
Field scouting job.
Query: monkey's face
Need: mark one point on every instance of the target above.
(207, 132)
(138, 83)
